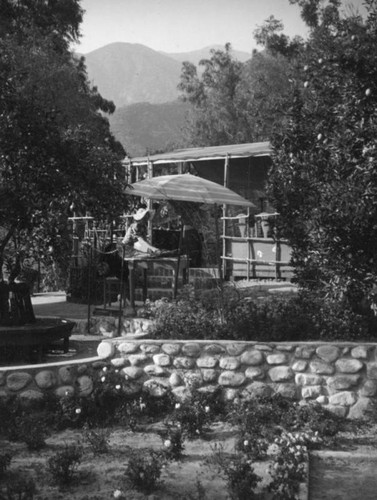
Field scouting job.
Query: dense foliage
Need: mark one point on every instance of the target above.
(227, 312)
(56, 150)
(233, 102)
(324, 180)
(315, 100)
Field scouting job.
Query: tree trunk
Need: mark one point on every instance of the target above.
(3, 245)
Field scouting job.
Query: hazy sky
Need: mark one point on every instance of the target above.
(183, 25)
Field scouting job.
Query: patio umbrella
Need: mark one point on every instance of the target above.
(187, 187)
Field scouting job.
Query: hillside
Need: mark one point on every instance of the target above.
(197, 55)
(129, 73)
(145, 128)
(143, 85)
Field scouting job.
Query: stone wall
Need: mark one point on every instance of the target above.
(342, 377)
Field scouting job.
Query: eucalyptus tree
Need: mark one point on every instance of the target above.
(233, 102)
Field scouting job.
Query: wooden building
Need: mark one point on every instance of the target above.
(250, 249)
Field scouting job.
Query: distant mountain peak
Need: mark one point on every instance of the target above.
(130, 74)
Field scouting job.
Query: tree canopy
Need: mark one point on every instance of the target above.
(233, 102)
(56, 149)
(324, 176)
(316, 101)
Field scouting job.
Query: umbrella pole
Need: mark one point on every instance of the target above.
(217, 232)
(176, 276)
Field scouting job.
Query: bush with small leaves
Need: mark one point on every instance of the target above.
(11, 409)
(238, 472)
(314, 417)
(72, 412)
(32, 431)
(194, 414)
(98, 439)
(144, 468)
(20, 488)
(64, 464)
(288, 467)
(172, 441)
(5, 460)
(252, 445)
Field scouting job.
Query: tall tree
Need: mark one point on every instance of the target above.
(324, 177)
(215, 116)
(56, 149)
(233, 102)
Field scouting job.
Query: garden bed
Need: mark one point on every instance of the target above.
(347, 473)
(99, 476)
(115, 443)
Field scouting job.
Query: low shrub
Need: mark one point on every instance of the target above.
(19, 488)
(238, 472)
(183, 319)
(64, 464)
(289, 465)
(98, 439)
(5, 460)
(71, 412)
(194, 414)
(228, 313)
(144, 468)
(252, 445)
(33, 432)
(11, 410)
(172, 441)
(266, 417)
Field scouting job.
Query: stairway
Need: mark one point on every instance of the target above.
(160, 281)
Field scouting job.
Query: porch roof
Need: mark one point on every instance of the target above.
(206, 153)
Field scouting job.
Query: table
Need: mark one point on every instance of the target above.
(144, 261)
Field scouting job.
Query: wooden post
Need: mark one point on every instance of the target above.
(217, 232)
(176, 274)
(149, 203)
(89, 286)
(121, 292)
(247, 234)
(223, 261)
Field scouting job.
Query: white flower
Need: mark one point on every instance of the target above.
(118, 494)
(207, 408)
(104, 369)
(274, 449)
(246, 442)
(142, 406)
(103, 379)
(78, 411)
(117, 387)
(177, 406)
(167, 443)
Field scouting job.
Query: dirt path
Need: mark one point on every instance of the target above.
(348, 473)
(342, 476)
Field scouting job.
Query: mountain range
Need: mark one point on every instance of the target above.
(143, 83)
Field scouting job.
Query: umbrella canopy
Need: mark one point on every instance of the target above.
(187, 187)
